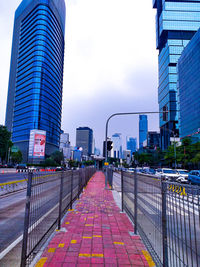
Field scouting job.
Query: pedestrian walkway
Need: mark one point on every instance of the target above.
(95, 233)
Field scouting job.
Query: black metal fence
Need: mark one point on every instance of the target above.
(48, 198)
(167, 216)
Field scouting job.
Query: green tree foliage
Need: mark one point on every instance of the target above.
(5, 142)
(49, 162)
(57, 156)
(16, 157)
(187, 155)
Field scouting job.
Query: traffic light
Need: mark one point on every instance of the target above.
(109, 145)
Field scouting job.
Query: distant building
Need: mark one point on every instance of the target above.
(65, 145)
(176, 23)
(34, 99)
(117, 145)
(97, 151)
(127, 156)
(131, 144)
(143, 130)
(153, 140)
(189, 88)
(84, 139)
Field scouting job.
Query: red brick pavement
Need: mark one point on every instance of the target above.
(97, 234)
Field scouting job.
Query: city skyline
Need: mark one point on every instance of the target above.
(105, 65)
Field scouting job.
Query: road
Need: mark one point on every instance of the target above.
(9, 177)
(44, 204)
(183, 218)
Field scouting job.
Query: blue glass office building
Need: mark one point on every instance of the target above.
(189, 88)
(176, 23)
(131, 144)
(36, 72)
(143, 130)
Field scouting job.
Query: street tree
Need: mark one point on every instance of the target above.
(5, 143)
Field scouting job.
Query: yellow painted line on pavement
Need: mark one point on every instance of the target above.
(98, 255)
(88, 224)
(73, 241)
(41, 262)
(118, 243)
(87, 237)
(148, 258)
(61, 245)
(97, 236)
(67, 223)
(51, 250)
(84, 255)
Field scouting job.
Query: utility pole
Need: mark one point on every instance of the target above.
(122, 114)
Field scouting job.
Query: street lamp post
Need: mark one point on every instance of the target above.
(122, 114)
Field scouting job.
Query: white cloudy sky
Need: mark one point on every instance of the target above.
(110, 64)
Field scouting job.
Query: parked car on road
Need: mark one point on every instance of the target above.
(183, 176)
(194, 177)
(167, 174)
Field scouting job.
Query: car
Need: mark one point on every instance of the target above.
(194, 177)
(131, 170)
(60, 168)
(182, 172)
(183, 176)
(167, 174)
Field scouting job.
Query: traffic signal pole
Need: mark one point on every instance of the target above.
(106, 137)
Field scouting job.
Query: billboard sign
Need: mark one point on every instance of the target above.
(37, 144)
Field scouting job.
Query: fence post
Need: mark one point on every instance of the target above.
(79, 182)
(71, 196)
(164, 225)
(135, 201)
(122, 188)
(60, 200)
(26, 220)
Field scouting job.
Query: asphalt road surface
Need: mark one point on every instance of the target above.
(12, 208)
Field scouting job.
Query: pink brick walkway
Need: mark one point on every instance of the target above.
(97, 234)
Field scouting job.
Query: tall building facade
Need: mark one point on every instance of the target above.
(117, 145)
(36, 73)
(65, 145)
(84, 139)
(153, 140)
(143, 129)
(189, 89)
(176, 23)
(131, 144)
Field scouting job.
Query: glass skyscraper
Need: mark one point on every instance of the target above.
(84, 139)
(36, 72)
(189, 89)
(131, 144)
(176, 23)
(143, 129)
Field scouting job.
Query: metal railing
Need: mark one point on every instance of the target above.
(48, 199)
(166, 215)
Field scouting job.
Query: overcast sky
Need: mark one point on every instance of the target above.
(110, 64)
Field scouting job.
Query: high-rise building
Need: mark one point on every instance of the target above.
(189, 89)
(65, 145)
(117, 145)
(84, 139)
(143, 130)
(36, 73)
(176, 23)
(153, 140)
(131, 144)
